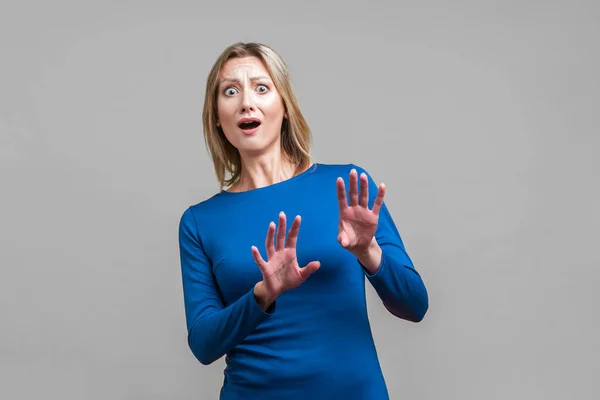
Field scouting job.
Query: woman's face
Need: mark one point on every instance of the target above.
(250, 109)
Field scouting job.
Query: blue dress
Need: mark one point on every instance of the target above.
(315, 341)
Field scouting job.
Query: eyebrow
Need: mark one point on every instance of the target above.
(252, 79)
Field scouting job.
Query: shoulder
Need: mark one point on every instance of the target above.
(337, 166)
(335, 171)
(199, 211)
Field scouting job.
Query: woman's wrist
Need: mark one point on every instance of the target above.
(263, 298)
(371, 258)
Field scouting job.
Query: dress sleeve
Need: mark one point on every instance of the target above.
(397, 282)
(213, 329)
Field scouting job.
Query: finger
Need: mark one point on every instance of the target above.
(364, 190)
(341, 194)
(309, 269)
(258, 258)
(379, 199)
(343, 239)
(270, 242)
(280, 244)
(353, 187)
(293, 235)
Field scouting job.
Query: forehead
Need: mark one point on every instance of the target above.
(235, 67)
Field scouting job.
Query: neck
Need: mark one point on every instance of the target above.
(263, 171)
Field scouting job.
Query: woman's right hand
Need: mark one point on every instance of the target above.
(281, 272)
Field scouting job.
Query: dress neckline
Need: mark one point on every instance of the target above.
(274, 185)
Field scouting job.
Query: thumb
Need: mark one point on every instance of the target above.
(343, 239)
(309, 269)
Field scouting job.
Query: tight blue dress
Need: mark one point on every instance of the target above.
(315, 341)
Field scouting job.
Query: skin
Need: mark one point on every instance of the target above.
(247, 90)
(241, 96)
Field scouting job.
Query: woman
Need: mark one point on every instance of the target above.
(291, 316)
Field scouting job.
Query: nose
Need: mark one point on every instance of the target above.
(247, 102)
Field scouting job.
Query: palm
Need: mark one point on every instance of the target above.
(357, 224)
(281, 272)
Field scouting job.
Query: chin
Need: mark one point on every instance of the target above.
(256, 145)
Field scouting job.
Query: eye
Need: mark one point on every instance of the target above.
(262, 88)
(230, 91)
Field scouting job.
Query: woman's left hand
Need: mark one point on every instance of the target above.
(358, 224)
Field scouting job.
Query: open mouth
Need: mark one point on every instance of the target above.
(248, 125)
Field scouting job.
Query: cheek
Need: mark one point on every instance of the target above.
(274, 105)
(225, 108)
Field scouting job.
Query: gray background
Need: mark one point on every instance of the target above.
(481, 118)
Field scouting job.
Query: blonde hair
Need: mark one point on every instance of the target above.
(295, 133)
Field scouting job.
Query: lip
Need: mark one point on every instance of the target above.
(249, 119)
